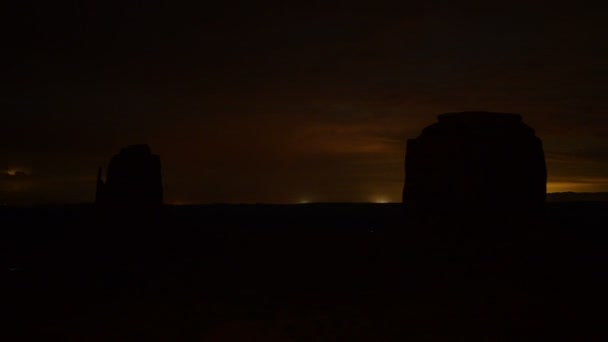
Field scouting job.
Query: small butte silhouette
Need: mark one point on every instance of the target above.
(475, 164)
(133, 179)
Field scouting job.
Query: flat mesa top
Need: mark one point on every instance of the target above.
(479, 117)
(140, 149)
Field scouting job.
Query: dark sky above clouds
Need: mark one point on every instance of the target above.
(263, 102)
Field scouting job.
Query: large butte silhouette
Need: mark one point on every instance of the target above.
(133, 179)
(475, 164)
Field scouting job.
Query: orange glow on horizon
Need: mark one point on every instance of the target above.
(381, 199)
(574, 186)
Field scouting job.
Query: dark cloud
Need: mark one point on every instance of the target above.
(591, 155)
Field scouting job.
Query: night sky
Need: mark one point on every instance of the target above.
(278, 103)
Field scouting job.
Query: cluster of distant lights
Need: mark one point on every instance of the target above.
(378, 199)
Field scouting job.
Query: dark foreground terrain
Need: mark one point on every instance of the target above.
(318, 272)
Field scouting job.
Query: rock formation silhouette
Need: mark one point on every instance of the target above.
(133, 179)
(475, 164)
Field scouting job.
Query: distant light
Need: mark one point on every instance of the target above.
(381, 199)
(304, 201)
(17, 172)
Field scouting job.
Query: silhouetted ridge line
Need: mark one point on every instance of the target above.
(469, 117)
(471, 164)
(133, 179)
